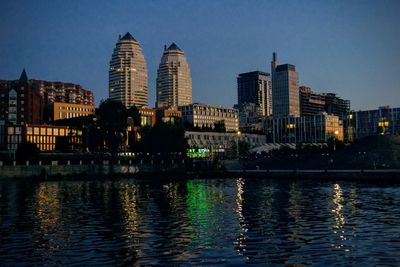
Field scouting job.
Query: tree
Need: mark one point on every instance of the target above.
(244, 149)
(133, 113)
(244, 152)
(164, 138)
(112, 123)
(26, 151)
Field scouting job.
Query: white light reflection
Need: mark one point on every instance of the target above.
(241, 247)
(340, 220)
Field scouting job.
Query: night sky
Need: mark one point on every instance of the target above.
(351, 48)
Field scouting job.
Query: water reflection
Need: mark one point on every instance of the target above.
(221, 221)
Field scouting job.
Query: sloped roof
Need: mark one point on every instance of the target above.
(173, 46)
(23, 78)
(128, 37)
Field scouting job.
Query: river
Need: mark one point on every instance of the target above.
(198, 222)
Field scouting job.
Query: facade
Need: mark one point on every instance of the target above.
(384, 120)
(44, 136)
(26, 101)
(249, 118)
(63, 92)
(20, 102)
(256, 87)
(66, 110)
(128, 73)
(213, 142)
(147, 116)
(285, 89)
(174, 82)
(306, 129)
(204, 116)
(310, 103)
(336, 105)
(168, 115)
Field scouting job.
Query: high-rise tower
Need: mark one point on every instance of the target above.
(174, 83)
(256, 88)
(285, 89)
(128, 73)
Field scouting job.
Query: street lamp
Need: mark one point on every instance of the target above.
(237, 143)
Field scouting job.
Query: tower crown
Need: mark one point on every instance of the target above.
(128, 37)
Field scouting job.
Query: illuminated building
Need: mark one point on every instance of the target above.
(147, 116)
(128, 73)
(336, 105)
(44, 136)
(174, 82)
(306, 129)
(384, 120)
(249, 117)
(285, 89)
(66, 110)
(204, 116)
(256, 88)
(214, 142)
(168, 115)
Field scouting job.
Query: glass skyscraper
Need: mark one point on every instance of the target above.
(285, 89)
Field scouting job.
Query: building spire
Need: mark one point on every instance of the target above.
(274, 56)
(23, 78)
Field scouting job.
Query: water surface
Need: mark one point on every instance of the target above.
(215, 222)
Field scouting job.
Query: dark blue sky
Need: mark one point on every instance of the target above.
(351, 48)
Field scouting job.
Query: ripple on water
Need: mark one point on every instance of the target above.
(203, 222)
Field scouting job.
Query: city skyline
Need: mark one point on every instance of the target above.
(346, 48)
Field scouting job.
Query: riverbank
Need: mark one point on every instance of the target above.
(146, 171)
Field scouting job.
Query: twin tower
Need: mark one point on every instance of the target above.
(128, 76)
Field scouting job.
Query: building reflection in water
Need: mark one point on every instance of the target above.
(49, 229)
(208, 211)
(130, 219)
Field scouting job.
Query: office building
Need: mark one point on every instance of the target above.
(336, 105)
(44, 136)
(128, 73)
(203, 116)
(285, 89)
(311, 103)
(306, 129)
(213, 144)
(256, 88)
(61, 110)
(250, 120)
(174, 82)
(384, 120)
